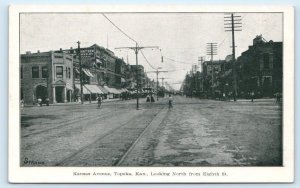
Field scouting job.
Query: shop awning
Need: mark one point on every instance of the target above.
(69, 87)
(87, 72)
(112, 90)
(84, 89)
(77, 71)
(94, 89)
(103, 89)
(124, 90)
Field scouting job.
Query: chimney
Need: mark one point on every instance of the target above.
(60, 49)
(71, 48)
(28, 52)
(38, 51)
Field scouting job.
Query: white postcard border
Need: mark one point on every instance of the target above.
(19, 174)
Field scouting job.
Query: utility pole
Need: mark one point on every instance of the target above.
(136, 50)
(212, 50)
(232, 24)
(201, 60)
(80, 73)
(162, 83)
(157, 72)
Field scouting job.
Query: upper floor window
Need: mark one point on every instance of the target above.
(69, 72)
(59, 72)
(266, 60)
(44, 72)
(35, 72)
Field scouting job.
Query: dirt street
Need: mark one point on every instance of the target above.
(193, 133)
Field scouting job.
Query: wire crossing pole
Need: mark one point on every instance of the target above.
(232, 24)
(136, 50)
(80, 73)
(157, 72)
(211, 49)
(162, 83)
(201, 60)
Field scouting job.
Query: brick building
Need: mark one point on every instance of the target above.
(106, 68)
(46, 74)
(260, 68)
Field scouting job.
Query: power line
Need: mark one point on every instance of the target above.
(129, 38)
(119, 28)
(147, 61)
(176, 61)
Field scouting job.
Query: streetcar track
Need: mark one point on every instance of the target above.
(50, 136)
(96, 140)
(93, 117)
(138, 139)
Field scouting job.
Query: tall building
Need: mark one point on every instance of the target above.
(260, 67)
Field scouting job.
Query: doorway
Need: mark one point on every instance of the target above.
(41, 92)
(59, 93)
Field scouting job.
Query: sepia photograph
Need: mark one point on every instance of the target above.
(151, 89)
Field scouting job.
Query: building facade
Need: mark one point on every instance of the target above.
(46, 75)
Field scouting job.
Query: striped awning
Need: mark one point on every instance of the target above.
(112, 90)
(94, 89)
(84, 89)
(87, 72)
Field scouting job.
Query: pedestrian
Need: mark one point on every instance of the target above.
(99, 100)
(148, 98)
(39, 100)
(47, 101)
(252, 96)
(170, 101)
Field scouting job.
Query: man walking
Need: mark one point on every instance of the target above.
(252, 96)
(99, 100)
(170, 101)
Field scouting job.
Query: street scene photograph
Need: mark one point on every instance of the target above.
(165, 89)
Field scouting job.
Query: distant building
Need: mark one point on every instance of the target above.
(46, 75)
(216, 64)
(107, 69)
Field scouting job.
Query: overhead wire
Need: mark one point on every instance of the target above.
(130, 39)
(119, 28)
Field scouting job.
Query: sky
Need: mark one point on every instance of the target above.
(180, 36)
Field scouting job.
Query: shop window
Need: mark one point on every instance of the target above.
(35, 72)
(44, 72)
(59, 72)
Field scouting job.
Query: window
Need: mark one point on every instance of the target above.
(35, 72)
(44, 72)
(59, 72)
(69, 72)
(266, 61)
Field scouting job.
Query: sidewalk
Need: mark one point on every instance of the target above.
(76, 103)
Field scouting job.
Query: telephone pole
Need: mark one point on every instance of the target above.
(162, 83)
(211, 49)
(157, 72)
(232, 24)
(80, 73)
(136, 49)
(201, 60)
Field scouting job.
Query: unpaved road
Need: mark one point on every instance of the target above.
(193, 133)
